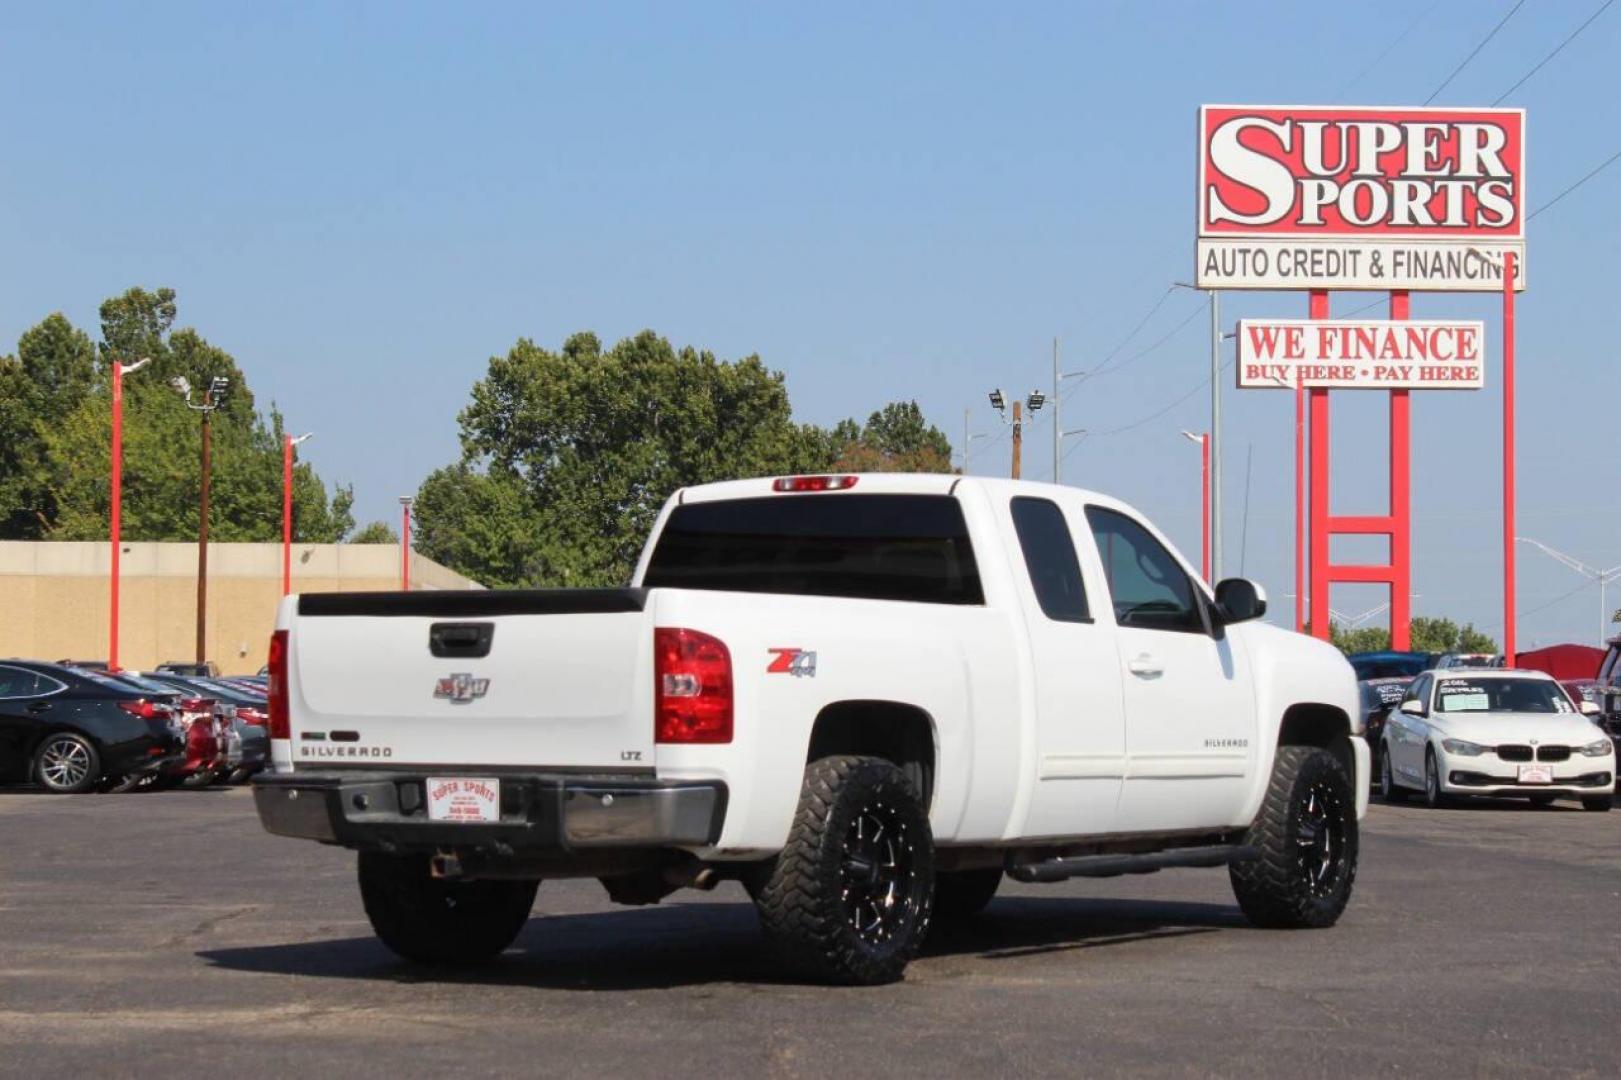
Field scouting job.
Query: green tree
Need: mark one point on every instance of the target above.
(59, 486)
(375, 532)
(1361, 639)
(1427, 634)
(51, 375)
(568, 455)
(896, 438)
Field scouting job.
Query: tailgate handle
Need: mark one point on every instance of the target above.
(461, 639)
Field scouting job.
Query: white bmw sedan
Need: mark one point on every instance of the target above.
(1497, 732)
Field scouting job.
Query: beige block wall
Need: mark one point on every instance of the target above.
(54, 596)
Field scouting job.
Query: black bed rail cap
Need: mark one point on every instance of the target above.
(472, 603)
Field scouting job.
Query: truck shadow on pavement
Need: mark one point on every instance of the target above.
(685, 944)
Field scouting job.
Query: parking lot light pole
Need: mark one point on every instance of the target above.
(1214, 433)
(288, 442)
(405, 542)
(1204, 500)
(119, 370)
(213, 398)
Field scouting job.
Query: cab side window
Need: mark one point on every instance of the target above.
(1148, 587)
(1049, 558)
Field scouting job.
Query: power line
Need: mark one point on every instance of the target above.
(1388, 49)
(1140, 353)
(1559, 48)
(1611, 160)
(1204, 382)
(1475, 52)
(1169, 289)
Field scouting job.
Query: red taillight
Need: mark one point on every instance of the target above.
(249, 715)
(814, 483)
(146, 710)
(197, 705)
(280, 726)
(692, 687)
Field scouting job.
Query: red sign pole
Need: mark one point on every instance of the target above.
(1508, 458)
(117, 499)
(1401, 501)
(405, 545)
(1319, 491)
(1300, 504)
(286, 515)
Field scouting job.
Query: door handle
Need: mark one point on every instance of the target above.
(1145, 666)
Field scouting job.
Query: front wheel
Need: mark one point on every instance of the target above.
(1599, 804)
(1307, 836)
(67, 764)
(1434, 797)
(1388, 790)
(438, 921)
(848, 898)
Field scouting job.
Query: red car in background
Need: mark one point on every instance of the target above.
(207, 736)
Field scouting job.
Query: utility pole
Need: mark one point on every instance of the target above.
(967, 437)
(405, 542)
(288, 442)
(1018, 435)
(1058, 426)
(212, 399)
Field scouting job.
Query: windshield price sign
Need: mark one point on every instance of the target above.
(1361, 355)
(1330, 197)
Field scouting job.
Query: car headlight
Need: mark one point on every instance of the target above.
(1463, 747)
(1599, 748)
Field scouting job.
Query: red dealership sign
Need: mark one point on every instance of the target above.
(1326, 197)
(1371, 354)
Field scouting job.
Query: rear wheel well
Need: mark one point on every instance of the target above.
(1315, 724)
(899, 733)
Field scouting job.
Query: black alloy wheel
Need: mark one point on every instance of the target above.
(1306, 843)
(877, 873)
(1320, 837)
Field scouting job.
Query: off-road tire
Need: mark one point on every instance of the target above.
(811, 902)
(1389, 790)
(961, 894)
(1280, 890)
(1598, 804)
(66, 763)
(435, 921)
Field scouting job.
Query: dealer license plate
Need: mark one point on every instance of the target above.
(465, 800)
(1536, 774)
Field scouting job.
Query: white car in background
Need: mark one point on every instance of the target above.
(1497, 732)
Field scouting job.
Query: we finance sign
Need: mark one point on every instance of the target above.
(1361, 355)
(1311, 197)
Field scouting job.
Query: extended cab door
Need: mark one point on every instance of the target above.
(1080, 719)
(1189, 696)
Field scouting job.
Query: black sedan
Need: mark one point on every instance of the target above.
(74, 730)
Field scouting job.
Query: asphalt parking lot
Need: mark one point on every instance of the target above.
(166, 933)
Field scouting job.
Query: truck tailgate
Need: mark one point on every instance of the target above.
(533, 679)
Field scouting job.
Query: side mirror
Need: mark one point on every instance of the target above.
(1590, 708)
(1240, 600)
(1413, 707)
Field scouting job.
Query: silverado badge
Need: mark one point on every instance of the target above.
(460, 689)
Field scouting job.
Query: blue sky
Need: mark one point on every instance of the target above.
(363, 202)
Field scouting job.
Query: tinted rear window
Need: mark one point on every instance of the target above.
(1049, 557)
(876, 547)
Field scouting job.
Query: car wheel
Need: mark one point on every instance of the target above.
(1389, 791)
(1433, 796)
(1599, 804)
(963, 893)
(1306, 834)
(848, 898)
(440, 921)
(67, 764)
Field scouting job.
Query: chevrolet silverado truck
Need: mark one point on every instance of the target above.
(867, 698)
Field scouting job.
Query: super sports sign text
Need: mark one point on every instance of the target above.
(1329, 197)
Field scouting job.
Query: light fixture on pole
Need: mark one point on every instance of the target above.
(405, 542)
(968, 438)
(288, 442)
(1215, 422)
(1603, 577)
(1204, 501)
(119, 370)
(213, 398)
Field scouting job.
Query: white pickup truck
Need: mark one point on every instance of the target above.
(867, 698)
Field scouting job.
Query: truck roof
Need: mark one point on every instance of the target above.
(884, 484)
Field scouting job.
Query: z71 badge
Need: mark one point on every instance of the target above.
(800, 663)
(461, 688)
